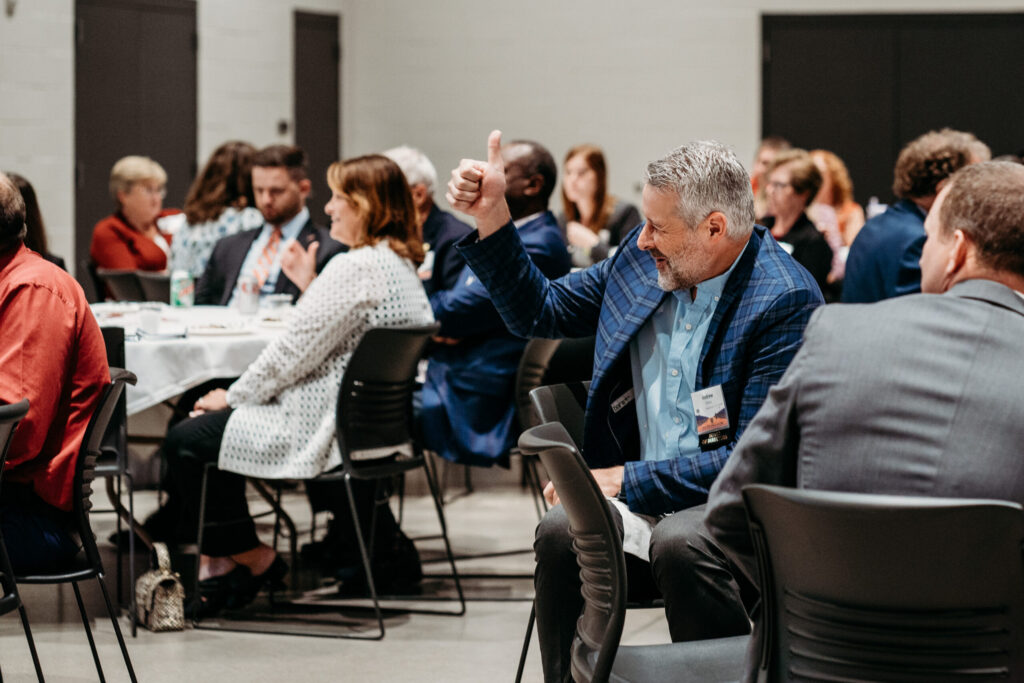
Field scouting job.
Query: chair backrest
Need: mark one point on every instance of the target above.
(155, 286)
(85, 466)
(869, 587)
(598, 549)
(123, 285)
(530, 374)
(114, 448)
(91, 284)
(10, 415)
(565, 403)
(374, 413)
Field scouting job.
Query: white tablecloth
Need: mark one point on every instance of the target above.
(217, 342)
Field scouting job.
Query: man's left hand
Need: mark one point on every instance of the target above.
(609, 480)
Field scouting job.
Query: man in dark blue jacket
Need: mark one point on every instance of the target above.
(469, 395)
(883, 259)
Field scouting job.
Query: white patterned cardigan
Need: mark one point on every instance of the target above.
(282, 426)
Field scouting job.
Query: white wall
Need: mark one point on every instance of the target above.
(635, 78)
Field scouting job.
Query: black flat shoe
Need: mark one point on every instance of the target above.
(245, 587)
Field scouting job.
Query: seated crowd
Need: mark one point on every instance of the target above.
(714, 300)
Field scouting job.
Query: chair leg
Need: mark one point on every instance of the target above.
(131, 557)
(117, 629)
(88, 631)
(526, 643)
(365, 557)
(8, 575)
(31, 642)
(196, 597)
(444, 535)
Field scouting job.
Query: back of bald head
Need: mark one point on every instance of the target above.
(535, 159)
(12, 215)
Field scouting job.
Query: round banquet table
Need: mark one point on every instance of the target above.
(182, 347)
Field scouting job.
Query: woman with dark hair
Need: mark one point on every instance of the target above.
(277, 420)
(35, 237)
(793, 181)
(593, 220)
(219, 203)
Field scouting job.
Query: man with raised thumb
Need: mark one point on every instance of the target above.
(696, 316)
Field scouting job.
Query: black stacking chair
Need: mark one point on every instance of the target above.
(112, 466)
(566, 404)
(892, 588)
(87, 564)
(530, 375)
(91, 283)
(155, 286)
(123, 285)
(10, 600)
(375, 436)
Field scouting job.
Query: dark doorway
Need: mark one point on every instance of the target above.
(318, 99)
(135, 93)
(864, 85)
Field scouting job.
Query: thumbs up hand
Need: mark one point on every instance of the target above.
(477, 188)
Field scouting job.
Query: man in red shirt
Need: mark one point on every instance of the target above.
(52, 353)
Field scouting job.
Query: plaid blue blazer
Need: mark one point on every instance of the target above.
(754, 334)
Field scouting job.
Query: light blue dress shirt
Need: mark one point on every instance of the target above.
(664, 358)
(289, 231)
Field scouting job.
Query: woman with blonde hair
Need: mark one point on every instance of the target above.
(277, 420)
(129, 239)
(593, 220)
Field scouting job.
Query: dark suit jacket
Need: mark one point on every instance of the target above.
(919, 395)
(755, 331)
(883, 259)
(218, 281)
(469, 394)
(441, 231)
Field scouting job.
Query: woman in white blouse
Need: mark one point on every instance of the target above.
(277, 420)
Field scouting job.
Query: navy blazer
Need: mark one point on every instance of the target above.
(441, 231)
(469, 394)
(754, 333)
(883, 259)
(217, 283)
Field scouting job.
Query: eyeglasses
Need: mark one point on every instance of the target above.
(152, 190)
(776, 185)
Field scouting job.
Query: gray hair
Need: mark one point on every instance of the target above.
(706, 176)
(415, 166)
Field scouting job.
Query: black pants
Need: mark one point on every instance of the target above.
(193, 443)
(702, 597)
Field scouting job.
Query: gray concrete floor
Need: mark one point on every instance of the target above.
(482, 645)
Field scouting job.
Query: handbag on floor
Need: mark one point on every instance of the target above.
(159, 595)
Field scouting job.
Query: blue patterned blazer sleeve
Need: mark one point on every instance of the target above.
(530, 304)
(660, 487)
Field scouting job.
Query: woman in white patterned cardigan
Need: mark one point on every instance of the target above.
(277, 420)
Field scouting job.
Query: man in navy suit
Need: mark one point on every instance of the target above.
(697, 314)
(439, 229)
(281, 185)
(469, 395)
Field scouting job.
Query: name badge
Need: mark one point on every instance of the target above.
(622, 401)
(712, 417)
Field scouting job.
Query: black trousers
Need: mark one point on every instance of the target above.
(195, 442)
(703, 599)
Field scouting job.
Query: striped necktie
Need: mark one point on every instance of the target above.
(267, 256)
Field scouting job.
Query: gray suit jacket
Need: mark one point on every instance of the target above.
(919, 395)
